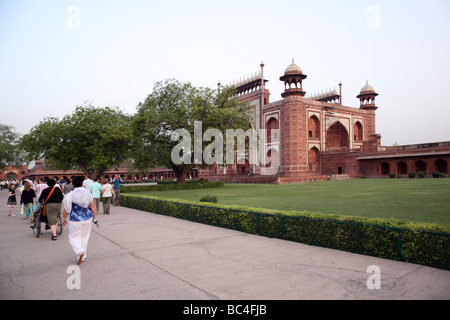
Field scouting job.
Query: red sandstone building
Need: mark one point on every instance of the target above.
(156, 173)
(41, 171)
(313, 138)
(318, 138)
(12, 172)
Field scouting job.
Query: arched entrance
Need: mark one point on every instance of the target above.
(11, 176)
(420, 166)
(314, 159)
(402, 167)
(440, 165)
(358, 132)
(337, 137)
(272, 130)
(384, 168)
(313, 128)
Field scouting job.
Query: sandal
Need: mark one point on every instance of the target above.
(80, 258)
(54, 238)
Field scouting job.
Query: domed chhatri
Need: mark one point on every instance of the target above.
(293, 69)
(367, 89)
(292, 78)
(367, 97)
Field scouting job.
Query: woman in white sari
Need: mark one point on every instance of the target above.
(80, 206)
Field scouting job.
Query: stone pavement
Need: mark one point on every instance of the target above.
(139, 255)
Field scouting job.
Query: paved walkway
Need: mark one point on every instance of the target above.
(139, 255)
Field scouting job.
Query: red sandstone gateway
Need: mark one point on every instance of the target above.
(319, 138)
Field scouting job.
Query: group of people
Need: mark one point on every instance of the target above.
(77, 199)
(108, 191)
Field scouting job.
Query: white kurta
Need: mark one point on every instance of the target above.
(77, 203)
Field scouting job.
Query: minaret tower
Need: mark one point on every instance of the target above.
(293, 124)
(367, 102)
(261, 102)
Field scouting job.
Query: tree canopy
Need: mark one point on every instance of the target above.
(174, 105)
(10, 153)
(91, 139)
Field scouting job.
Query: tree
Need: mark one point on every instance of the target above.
(92, 139)
(10, 153)
(173, 106)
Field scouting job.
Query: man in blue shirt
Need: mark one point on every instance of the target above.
(116, 186)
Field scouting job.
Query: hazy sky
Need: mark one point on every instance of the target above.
(56, 54)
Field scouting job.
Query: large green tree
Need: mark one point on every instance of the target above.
(91, 139)
(175, 105)
(10, 153)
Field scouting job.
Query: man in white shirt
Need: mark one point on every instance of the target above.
(39, 187)
(87, 184)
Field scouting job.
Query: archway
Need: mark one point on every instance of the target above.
(420, 166)
(402, 167)
(11, 176)
(337, 137)
(358, 132)
(384, 168)
(272, 130)
(313, 128)
(314, 159)
(441, 166)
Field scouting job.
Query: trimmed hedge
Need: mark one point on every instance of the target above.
(421, 243)
(171, 186)
(208, 198)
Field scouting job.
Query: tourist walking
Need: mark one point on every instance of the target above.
(96, 189)
(20, 189)
(87, 184)
(27, 201)
(116, 184)
(79, 206)
(107, 194)
(67, 186)
(40, 187)
(12, 201)
(52, 199)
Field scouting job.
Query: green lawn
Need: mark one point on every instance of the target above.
(422, 200)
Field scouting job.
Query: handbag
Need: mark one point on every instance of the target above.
(44, 213)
